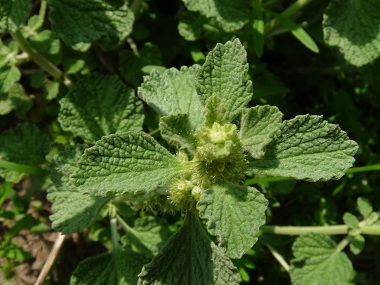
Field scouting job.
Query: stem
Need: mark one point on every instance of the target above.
(22, 168)
(35, 56)
(290, 13)
(278, 256)
(50, 260)
(42, 11)
(114, 234)
(373, 167)
(328, 230)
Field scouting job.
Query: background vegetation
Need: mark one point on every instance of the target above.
(316, 57)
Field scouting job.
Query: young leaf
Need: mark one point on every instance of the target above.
(177, 131)
(258, 127)
(13, 13)
(353, 26)
(190, 258)
(73, 210)
(173, 93)
(9, 75)
(118, 267)
(316, 256)
(231, 15)
(297, 31)
(223, 75)
(357, 244)
(309, 148)
(16, 100)
(125, 163)
(234, 214)
(364, 207)
(15, 147)
(85, 21)
(351, 220)
(98, 106)
(215, 111)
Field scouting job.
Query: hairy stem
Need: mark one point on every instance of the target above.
(328, 230)
(35, 56)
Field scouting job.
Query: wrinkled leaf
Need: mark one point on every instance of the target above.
(233, 214)
(99, 106)
(13, 13)
(309, 148)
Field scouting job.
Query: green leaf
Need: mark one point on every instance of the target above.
(364, 207)
(9, 75)
(119, 267)
(357, 244)
(148, 235)
(85, 21)
(297, 31)
(24, 144)
(258, 127)
(177, 131)
(173, 92)
(125, 163)
(316, 256)
(13, 13)
(351, 221)
(73, 210)
(215, 111)
(224, 75)
(16, 99)
(190, 258)
(309, 148)
(48, 44)
(234, 214)
(231, 15)
(353, 26)
(100, 105)
(190, 25)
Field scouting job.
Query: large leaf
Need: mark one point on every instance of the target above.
(231, 15)
(224, 75)
(316, 257)
(353, 26)
(309, 148)
(125, 163)
(13, 13)
(173, 92)
(234, 214)
(85, 21)
(73, 211)
(98, 106)
(118, 267)
(258, 127)
(25, 144)
(190, 258)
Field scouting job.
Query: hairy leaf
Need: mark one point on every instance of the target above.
(13, 13)
(118, 267)
(98, 106)
(125, 163)
(15, 146)
(357, 244)
(353, 26)
(258, 127)
(173, 92)
(309, 148)
(73, 211)
(364, 206)
(177, 130)
(190, 258)
(351, 220)
(85, 21)
(9, 75)
(316, 258)
(231, 15)
(16, 100)
(234, 214)
(215, 111)
(224, 75)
